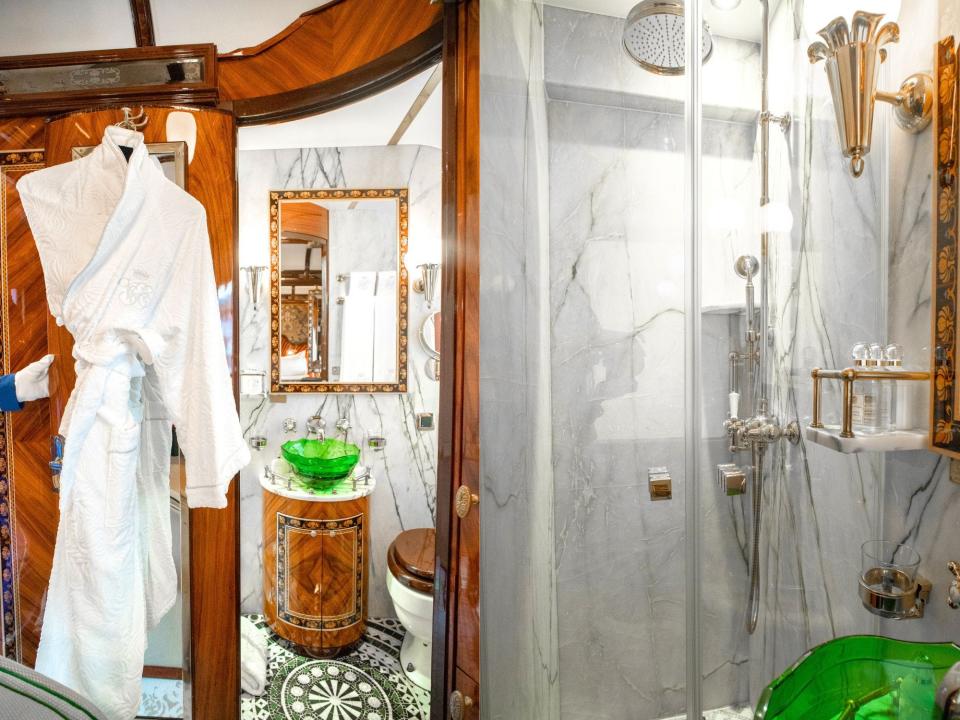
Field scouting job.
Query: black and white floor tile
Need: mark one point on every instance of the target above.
(366, 684)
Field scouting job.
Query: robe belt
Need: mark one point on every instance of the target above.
(105, 365)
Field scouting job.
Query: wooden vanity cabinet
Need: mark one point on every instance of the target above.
(315, 571)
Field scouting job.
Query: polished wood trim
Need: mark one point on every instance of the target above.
(280, 36)
(374, 77)
(48, 103)
(142, 22)
(20, 133)
(333, 55)
(456, 583)
(162, 672)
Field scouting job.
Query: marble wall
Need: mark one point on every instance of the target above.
(920, 503)
(405, 471)
(617, 343)
(518, 604)
(855, 267)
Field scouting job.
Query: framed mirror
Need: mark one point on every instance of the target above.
(338, 290)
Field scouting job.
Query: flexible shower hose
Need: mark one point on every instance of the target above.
(753, 604)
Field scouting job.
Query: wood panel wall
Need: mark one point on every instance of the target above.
(27, 542)
(214, 534)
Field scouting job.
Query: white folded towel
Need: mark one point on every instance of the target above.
(253, 658)
(362, 283)
(385, 329)
(356, 339)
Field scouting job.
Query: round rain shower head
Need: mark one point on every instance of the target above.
(653, 36)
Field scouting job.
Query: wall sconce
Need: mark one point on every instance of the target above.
(255, 275)
(851, 54)
(427, 282)
(183, 126)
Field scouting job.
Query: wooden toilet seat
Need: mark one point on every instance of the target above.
(411, 559)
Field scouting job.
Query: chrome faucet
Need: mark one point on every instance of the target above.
(317, 426)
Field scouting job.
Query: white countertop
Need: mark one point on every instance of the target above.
(342, 491)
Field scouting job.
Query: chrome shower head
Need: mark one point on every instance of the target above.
(746, 266)
(653, 36)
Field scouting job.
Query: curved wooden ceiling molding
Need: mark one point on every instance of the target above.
(331, 56)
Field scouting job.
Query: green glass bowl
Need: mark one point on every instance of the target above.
(862, 676)
(329, 459)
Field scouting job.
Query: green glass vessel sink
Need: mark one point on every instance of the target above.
(329, 459)
(861, 677)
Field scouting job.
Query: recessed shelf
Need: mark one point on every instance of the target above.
(829, 437)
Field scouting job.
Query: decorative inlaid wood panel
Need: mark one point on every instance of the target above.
(945, 423)
(315, 571)
(28, 504)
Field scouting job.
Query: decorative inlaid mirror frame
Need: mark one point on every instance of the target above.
(945, 401)
(277, 197)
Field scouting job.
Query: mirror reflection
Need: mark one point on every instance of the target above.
(339, 290)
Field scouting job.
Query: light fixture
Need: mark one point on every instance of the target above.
(427, 282)
(817, 14)
(182, 126)
(851, 53)
(776, 217)
(725, 4)
(255, 274)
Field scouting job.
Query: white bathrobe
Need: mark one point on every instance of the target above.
(127, 264)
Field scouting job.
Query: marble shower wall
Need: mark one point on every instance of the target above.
(617, 341)
(827, 293)
(920, 504)
(518, 603)
(405, 471)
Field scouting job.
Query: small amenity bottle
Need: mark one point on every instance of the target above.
(865, 392)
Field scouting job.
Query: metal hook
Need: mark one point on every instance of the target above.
(131, 121)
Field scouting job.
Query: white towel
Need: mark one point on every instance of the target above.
(253, 658)
(293, 366)
(362, 283)
(356, 339)
(385, 329)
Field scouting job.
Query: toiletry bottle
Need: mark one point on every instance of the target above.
(898, 390)
(862, 402)
(880, 422)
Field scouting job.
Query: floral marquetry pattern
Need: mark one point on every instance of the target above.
(401, 195)
(945, 433)
(15, 162)
(353, 526)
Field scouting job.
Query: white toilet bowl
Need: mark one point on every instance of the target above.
(410, 584)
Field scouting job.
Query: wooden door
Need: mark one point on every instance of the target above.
(456, 661)
(28, 501)
(212, 671)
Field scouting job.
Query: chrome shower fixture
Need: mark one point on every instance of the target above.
(851, 53)
(653, 35)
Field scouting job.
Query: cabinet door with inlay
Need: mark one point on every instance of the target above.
(315, 571)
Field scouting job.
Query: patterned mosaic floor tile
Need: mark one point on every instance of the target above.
(366, 684)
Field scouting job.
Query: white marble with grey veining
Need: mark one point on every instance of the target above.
(405, 496)
(518, 604)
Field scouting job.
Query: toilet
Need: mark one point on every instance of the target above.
(410, 584)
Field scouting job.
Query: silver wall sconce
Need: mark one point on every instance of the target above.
(851, 54)
(255, 276)
(427, 282)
